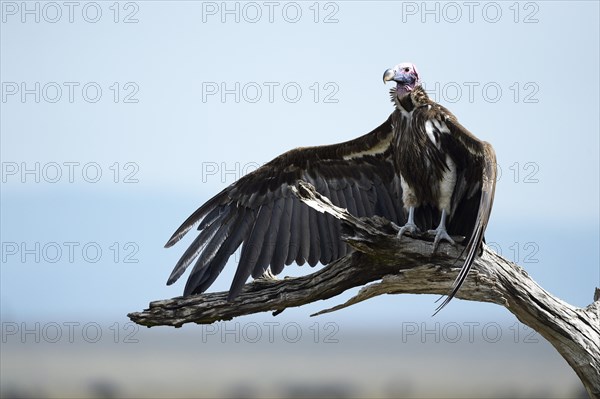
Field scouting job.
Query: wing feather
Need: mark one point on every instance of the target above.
(274, 228)
(210, 218)
(304, 251)
(349, 198)
(368, 201)
(202, 276)
(295, 232)
(315, 238)
(196, 217)
(384, 202)
(251, 249)
(283, 246)
(270, 240)
(326, 233)
(359, 201)
(339, 248)
(199, 244)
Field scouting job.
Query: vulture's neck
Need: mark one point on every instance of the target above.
(415, 99)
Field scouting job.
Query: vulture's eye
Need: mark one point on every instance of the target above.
(406, 69)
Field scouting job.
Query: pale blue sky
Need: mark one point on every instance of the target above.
(178, 147)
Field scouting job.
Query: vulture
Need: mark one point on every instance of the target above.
(420, 169)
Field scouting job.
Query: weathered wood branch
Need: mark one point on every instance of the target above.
(405, 266)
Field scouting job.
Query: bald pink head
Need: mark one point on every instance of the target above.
(406, 77)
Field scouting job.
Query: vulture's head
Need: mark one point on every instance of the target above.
(406, 77)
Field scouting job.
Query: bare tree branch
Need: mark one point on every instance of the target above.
(401, 267)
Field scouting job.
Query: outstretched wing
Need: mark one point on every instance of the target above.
(473, 195)
(274, 228)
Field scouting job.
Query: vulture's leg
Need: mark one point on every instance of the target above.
(410, 225)
(446, 187)
(441, 233)
(409, 200)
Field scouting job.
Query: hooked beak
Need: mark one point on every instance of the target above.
(389, 75)
(402, 78)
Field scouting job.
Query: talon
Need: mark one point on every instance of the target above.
(408, 228)
(440, 234)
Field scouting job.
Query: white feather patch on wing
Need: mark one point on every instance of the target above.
(380, 148)
(429, 131)
(441, 126)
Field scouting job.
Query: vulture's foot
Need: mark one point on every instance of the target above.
(408, 228)
(440, 234)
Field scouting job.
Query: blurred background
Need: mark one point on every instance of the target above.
(118, 119)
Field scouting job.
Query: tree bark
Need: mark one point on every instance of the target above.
(400, 267)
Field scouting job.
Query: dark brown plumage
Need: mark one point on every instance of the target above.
(424, 161)
(420, 162)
